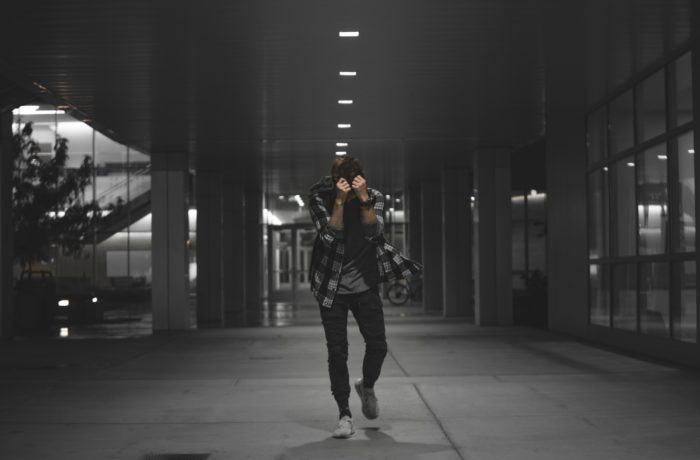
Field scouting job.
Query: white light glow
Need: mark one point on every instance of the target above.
(64, 332)
(398, 200)
(387, 196)
(533, 192)
(391, 209)
(34, 110)
(345, 101)
(270, 218)
(341, 153)
(63, 303)
(691, 151)
(344, 125)
(25, 109)
(94, 300)
(299, 201)
(662, 157)
(341, 144)
(630, 164)
(349, 33)
(347, 73)
(605, 169)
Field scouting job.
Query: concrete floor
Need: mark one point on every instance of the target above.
(448, 390)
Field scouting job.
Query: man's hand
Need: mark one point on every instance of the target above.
(342, 188)
(359, 185)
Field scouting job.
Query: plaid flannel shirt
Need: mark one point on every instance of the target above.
(329, 247)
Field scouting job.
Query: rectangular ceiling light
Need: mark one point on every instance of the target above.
(349, 33)
(344, 125)
(341, 144)
(347, 73)
(340, 154)
(345, 101)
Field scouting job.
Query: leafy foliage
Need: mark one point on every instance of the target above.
(48, 200)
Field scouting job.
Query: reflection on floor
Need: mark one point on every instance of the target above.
(276, 314)
(137, 321)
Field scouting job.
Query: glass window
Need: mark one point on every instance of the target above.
(598, 214)
(624, 207)
(625, 297)
(654, 297)
(685, 311)
(518, 241)
(111, 171)
(621, 127)
(139, 174)
(651, 107)
(536, 228)
(599, 295)
(79, 137)
(653, 200)
(685, 149)
(596, 140)
(681, 91)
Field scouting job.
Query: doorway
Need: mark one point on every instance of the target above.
(289, 254)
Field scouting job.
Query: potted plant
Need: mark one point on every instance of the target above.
(49, 209)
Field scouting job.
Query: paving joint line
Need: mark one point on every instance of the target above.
(406, 374)
(430, 409)
(437, 420)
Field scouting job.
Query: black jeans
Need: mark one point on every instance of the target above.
(366, 307)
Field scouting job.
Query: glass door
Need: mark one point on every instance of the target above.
(289, 255)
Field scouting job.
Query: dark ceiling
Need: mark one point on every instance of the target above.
(222, 79)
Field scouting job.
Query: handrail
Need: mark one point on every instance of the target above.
(123, 183)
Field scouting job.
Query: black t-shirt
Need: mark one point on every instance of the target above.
(360, 271)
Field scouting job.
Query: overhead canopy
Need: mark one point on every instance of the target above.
(222, 78)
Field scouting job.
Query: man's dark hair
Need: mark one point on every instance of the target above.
(347, 168)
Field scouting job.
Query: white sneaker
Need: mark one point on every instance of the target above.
(370, 407)
(344, 429)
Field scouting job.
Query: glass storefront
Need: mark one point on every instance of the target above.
(641, 198)
(103, 289)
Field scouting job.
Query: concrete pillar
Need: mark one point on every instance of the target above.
(229, 249)
(493, 301)
(413, 170)
(456, 242)
(431, 231)
(233, 255)
(170, 268)
(253, 254)
(209, 249)
(414, 215)
(6, 227)
(567, 247)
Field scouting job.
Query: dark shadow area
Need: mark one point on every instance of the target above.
(378, 445)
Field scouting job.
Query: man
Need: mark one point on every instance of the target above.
(350, 258)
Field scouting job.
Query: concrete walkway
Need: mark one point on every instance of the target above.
(448, 390)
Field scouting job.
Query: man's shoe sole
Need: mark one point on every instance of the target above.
(344, 436)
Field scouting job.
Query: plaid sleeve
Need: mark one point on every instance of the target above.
(320, 216)
(378, 229)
